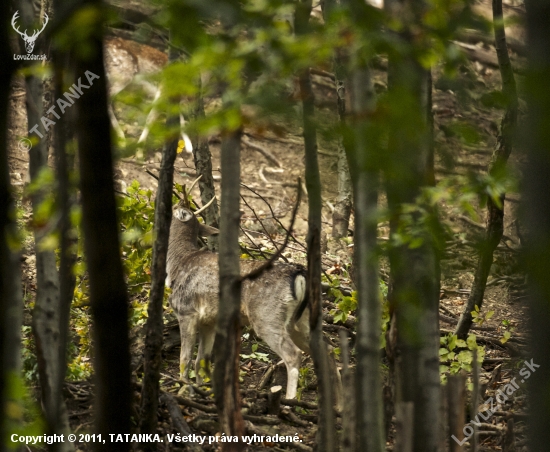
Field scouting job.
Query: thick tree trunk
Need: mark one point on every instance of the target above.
(495, 211)
(67, 241)
(46, 314)
(11, 299)
(537, 216)
(46, 309)
(154, 325)
(228, 329)
(46, 322)
(326, 438)
(108, 295)
(415, 271)
(67, 234)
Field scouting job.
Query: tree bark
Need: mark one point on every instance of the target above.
(203, 165)
(343, 204)
(154, 325)
(108, 297)
(370, 419)
(228, 328)
(11, 299)
(326, 440)
(47, 313)
(456, 395)
(495, 210)
(67, 234)
(537, 216)
(415, 271)
(45, 319)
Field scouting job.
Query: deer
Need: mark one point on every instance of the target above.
(274, 304)
(128, 62)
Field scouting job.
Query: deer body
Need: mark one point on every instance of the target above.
(270, 303)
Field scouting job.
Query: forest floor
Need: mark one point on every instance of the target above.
(505, 295)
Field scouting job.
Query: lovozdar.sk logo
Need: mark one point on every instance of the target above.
(28, 40)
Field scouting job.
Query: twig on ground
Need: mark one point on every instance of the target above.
(291, 417)
(268, 155)
(198, 406)
(178, 422)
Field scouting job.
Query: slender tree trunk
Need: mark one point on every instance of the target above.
(228, 329)
(154, 326)
(203, 165)
(537, 216)
(495, 210)
(108, 295)
(11, 300)
(370, 419)
(343, 204)
(326, 439)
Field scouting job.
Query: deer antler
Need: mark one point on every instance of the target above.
(13, 19)
(196, 212)
(37, 32)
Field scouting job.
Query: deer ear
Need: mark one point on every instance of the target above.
(206, 230)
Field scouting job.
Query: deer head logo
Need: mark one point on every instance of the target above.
(29, 40)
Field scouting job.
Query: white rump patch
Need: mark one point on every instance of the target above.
(300, 288)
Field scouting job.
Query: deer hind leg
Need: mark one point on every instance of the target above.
(188, 333)
(292, 357)
(207, 334)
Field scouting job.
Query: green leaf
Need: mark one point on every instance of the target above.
(464, 357)
(506, 337)
(452, 342)
(471, 341)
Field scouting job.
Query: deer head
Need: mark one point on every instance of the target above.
(29, 40)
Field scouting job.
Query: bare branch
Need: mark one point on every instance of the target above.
(268, 264)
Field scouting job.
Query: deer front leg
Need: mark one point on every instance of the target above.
(292, 357)
(188, 333)
(207, 334)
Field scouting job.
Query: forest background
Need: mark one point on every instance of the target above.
(419, 131)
